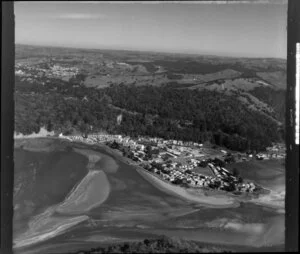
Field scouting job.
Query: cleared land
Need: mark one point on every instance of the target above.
(278, 78)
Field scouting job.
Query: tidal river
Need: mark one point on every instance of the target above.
(73, 197)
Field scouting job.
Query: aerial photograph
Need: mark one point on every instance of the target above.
(149, 127)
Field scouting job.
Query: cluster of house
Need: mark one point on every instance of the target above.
(161, 141)
(226, 178)
(55, 71)
(171, 170)
(222, 179)
(173, 173)
(94, 138)
(276, 151)
(60, 71)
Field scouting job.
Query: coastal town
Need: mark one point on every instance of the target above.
(188, 164)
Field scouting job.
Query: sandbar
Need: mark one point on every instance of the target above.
(48, 228)
(92, 191)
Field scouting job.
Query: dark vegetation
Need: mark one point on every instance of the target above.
(184, 114)
(174, 76)
(174, 84)
(199, 116)
(61, 106)
(189, 67)
(247, 67)
(215, 117)
(274, 98)
(160, 245)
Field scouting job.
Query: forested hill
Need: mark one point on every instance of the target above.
(191, 115)
(238, 103)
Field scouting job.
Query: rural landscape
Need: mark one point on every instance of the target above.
(140, 151)
(82, 168)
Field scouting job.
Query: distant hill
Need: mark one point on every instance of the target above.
(240, 101)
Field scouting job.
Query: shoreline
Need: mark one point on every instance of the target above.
(208, 201)
(188, 195)
(201, 197)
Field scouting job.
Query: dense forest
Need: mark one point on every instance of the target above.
(274, 98)
(160, 245)
(188, 115)
(193, 115)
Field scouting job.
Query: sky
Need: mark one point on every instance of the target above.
(256, 29)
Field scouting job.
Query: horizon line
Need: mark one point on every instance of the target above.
(149, 51)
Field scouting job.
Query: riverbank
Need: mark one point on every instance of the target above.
(189, 195)
(205, 196)
(198, 195)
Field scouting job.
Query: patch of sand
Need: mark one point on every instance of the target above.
(47, 227)
(89, 193)
(236, 225)
(92, 191)
(42, 133)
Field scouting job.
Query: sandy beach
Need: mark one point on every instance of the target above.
(42, 133)
(200, 197)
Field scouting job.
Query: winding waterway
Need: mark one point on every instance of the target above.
(122, 205)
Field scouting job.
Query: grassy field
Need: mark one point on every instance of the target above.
(204, 171)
